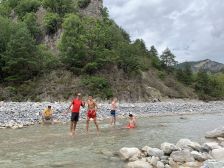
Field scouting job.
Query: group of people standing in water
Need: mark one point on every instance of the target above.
(75, 106)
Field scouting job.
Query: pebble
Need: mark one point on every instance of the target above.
(22, 114)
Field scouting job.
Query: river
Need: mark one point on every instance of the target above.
(51, 146)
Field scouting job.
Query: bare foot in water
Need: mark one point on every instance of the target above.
(72, 133)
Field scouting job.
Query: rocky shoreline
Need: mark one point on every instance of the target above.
(183, 154)
(22, 114)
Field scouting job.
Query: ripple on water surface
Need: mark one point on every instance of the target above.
(51, 146)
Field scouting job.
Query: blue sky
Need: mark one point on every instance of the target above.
(192, 29)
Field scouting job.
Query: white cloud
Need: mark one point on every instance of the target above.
(192, 29)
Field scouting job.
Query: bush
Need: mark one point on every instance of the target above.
(83, 3)
(27, 6)
(90, 68)
(52, 22)
(33, 27)
(97, 86)
(58, 6)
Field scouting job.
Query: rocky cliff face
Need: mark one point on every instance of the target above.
(208, 65)
(204, 65)
(93, 9)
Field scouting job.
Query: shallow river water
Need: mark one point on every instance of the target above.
(51, 146)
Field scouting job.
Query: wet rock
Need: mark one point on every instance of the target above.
(138, 164)
(168, 148)
(212, 145)
(188, 144)
(160, 164)
(154, 160)
(127, 153)
(218, 154)
(218, 132)
(182, 156)
(200, 156)
(153, 151)
(213, 164)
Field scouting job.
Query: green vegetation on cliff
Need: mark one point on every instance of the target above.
(91, 54)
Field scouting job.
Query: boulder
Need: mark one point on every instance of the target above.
(153, 151)
(218, 132)
(154, 160)
(172, 163)
(167, 166)
(200, 156)
(218, 154)
(160, 164)
(193, 164)
(182, 156)
(213, 164)
(168, 148)
(212, 145)
(138, 164)
(188, 144)
(127, 153)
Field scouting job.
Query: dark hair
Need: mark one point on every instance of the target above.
(49, 106)
(130, 115)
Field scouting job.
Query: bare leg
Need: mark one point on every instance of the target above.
(72, 128)
(97, 126)
(87, 125)
(114, 120)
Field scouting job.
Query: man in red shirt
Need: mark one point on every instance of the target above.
(75, 104)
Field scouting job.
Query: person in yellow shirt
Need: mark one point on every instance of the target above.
(47, 114)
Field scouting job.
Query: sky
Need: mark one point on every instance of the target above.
(192, 29)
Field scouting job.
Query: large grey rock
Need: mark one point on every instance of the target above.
(168, 148)
(138, 164)
(200, 156)
(188, 144)
(154, 160)
(212, 145)
(160, 164)
(153, 151)
(218, 132)
(193, 164)
(218, 154)
(213, 164)
(127, 153)
(182, 156)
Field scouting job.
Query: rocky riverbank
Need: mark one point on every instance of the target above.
(21, 114)
(183, 154)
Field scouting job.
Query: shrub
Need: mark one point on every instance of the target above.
(97, 86)
(27, 6)
(90, 68)
(52, 22)
(83, 3)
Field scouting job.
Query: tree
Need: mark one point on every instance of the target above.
(20, 58)
(168, 58)
(72, 44)
(32, 25)
(27, 6)
(52, 22)
(60, 7)
(185, 75)
(153, 53)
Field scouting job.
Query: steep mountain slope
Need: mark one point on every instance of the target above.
(204, 65)
(76, 47)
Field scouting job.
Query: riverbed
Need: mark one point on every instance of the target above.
(50, 145)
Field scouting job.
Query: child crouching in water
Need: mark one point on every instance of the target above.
(132, 121)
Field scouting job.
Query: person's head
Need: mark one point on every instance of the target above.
(90, 97)
(115, 99)
(130, 115)
(78, 95)
(49, 107)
